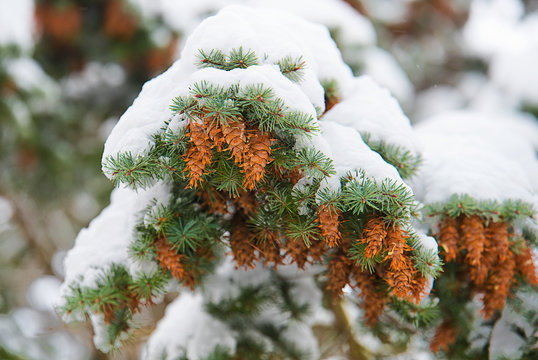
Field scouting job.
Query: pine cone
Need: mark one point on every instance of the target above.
(215, 201)
(401, 281)
(169, 259)
(373, 234)
(396, 245)
(256, 157)
(339, 270)
(242, 249)
(235, 136)
(449, 237)
(270, 250)
(495, 248)
(473, 238)
(215, 133)
(498, 285)
(497, 235)
(526, 266)
(298, 251)
(246, 202)
(374, 300)
(199, 154)
(328, 222)
(445, 335)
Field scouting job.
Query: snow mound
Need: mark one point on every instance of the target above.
(270, 34)
(105, 242)
(485, 156)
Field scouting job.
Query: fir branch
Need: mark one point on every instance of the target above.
(220, 352)
(204, 89)
(147, 286)
(137, 171)
(141, 249)
(405, 161)
(221, 110)
(292, 68)
(305, 229)
(427, 262)
(361, 195)
(183, 104)
(187, 233)
(214, 58)
(238, 59)
(313, 163)
(270, 115)
(264, 221)
(299, 122)
(331, 93)
(256, 96)
(397, 201)
(248, 304)
(463, 204)
(227, 177)
(421, 315)
(306, 194)
(357, 252)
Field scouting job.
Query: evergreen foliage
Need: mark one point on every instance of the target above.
(249, 182)
(235, 164)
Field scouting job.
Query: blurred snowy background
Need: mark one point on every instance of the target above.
(69, 69)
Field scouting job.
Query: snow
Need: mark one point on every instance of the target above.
(492, 27)
(186, 329)
(516, 73)
(100, 336)
(6, 211)
(93, 78)
(106, 240)
(369, 108)
(387, 11)
(16, 23)
(498, 31)
(270, 77)
(489, 157)
(504, 340)
(349, 153)
(146, 116)
(352, 27)
(184, 15)
(435, 100)
(43, 293)
(28, 75)
(303, 338)
(385, 70)
(272, 35)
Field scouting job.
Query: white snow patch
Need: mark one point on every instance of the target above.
(516, 73)
(16, 23)
(349, 153)
(106, 240)
(186, 329)
(385, 70)
(352, 27)
(492, 27)
(369, 108)
(147, 115)
(272, 35)
(484, 155)
(43, 293)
